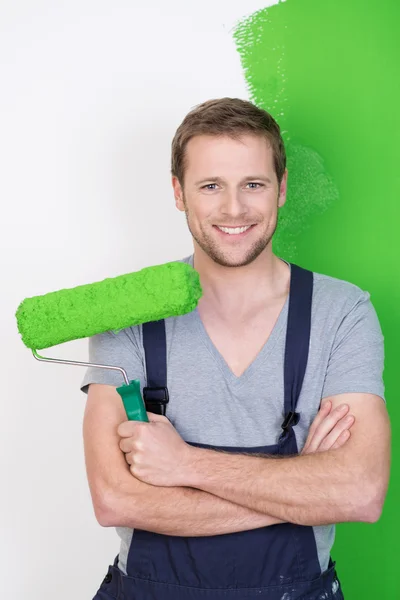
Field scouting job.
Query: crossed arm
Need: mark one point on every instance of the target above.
(191, 492)
(347, 484)
(121, 500)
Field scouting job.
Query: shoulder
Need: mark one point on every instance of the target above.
(188, 260)
(337, 295)
(340, 306)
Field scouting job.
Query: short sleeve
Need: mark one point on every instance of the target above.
(356, 362)
(113, 349)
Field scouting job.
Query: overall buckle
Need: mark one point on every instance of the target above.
(291, 419)
(156, 399)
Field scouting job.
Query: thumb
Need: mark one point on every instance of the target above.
(155, 418)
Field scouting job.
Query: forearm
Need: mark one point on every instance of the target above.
(120, 499)
(181, 511)
(314, 489)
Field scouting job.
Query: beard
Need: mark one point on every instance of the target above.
(223, 257)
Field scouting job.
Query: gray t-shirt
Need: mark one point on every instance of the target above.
(210, 405)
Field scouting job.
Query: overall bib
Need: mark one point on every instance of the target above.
(279, 562)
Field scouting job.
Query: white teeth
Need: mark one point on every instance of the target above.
(234, 230)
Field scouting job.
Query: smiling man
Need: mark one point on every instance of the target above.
(275, 425)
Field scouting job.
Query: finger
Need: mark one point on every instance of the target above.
(129, 428)
(340, 427)
(155, 418)
(321, 415)
(129, 458)
(125, 445)
(326, 426)
(323, 412)
(131, 445)
(125, 429)
(342, 439)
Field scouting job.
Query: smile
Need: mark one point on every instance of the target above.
(234, 230)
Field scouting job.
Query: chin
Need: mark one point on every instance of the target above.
(233, 262)
(235, 259)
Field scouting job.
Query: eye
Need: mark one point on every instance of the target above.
(255, 185)
(208, 186)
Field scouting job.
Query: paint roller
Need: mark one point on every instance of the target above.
(151, 294)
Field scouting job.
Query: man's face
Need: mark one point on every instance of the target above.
(230, 196)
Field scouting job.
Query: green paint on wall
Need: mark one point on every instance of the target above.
(328, 71)
(262, 41)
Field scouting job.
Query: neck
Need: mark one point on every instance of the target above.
(240, 289)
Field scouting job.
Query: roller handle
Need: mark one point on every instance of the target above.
(133, 401)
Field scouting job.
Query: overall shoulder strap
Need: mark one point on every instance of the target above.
(297, 340)
(155, 394)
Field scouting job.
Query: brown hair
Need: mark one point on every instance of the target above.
(227, 116)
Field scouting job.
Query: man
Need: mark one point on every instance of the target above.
(274, 368)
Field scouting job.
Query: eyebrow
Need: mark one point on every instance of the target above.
(220, 179)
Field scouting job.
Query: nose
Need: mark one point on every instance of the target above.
(233, 204)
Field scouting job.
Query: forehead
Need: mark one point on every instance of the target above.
(223, 155)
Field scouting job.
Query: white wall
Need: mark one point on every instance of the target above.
(91, 93)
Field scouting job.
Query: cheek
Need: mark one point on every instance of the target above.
(199, 211)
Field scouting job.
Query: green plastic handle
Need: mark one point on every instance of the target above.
(133, 401)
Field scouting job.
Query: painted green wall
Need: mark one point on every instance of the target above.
(329, 73)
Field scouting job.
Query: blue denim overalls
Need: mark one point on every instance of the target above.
(279, 562)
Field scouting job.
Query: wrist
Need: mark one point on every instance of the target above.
(194, 467)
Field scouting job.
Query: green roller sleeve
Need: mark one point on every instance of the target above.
(154, 293)
(132, 401)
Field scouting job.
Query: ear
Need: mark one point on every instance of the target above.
(283, 189)
(178, 194)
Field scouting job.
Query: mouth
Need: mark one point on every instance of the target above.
(234, 232)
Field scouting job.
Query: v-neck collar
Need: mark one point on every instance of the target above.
(261, 356)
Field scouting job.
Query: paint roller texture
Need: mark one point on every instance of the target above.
(151, 294)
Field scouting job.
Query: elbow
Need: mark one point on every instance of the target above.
(104, 516)
(370, 513)
(104, 509)
(114, 509)
(374, 514)
(107, 508)
(373, 510)
(370, 503)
